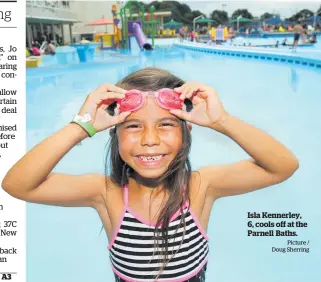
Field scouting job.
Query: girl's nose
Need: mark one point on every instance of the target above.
(150, 137)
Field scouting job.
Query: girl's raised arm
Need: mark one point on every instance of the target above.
(271, 161)
(30, 179)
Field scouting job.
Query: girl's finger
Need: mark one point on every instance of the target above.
(185, 86)
(185, 90)
(202, 93)
(111, 95)
(190, 93)
(197, 100)
(178, 89)
(181, 114)
(105, 87)
(103, 106)
(102, 88)
(113, 88)
(119, 118)
(105, 96)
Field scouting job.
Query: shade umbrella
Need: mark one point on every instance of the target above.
(101, 21)
(240, 20)
(172, 24)
(205, 20)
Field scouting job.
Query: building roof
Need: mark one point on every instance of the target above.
(160, 13)
(36, 13)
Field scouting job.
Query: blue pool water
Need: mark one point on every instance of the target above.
(65, 244)
(313, 51)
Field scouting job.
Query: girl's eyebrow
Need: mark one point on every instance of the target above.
(132, 120)
(173, 119)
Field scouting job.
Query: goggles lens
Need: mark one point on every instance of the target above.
(134, 100)
(169, 99)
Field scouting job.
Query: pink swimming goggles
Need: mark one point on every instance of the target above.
(135, 99)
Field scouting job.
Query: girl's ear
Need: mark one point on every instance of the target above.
(189, 126)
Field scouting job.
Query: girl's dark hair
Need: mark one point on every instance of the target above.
(179, 171)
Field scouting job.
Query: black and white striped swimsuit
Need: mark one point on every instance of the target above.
(132, 245)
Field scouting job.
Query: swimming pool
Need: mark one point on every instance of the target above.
(65, 244)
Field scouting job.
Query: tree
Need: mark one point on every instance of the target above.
(184, 9)
(301, 15)
(197, 13)
(180, 12)
(221, 17)
(244, 13)
(266, 16)
(156, 4)
(319, 11)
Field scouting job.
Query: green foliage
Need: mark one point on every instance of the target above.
(221, 17)
(266, 16)
(180, 12)
(301, 15)
(183, 13)
(136, 6)
(242, 12)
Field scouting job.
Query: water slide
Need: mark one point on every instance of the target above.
(141, 38)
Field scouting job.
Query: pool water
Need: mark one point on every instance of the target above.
(65, 244)
(313, 51)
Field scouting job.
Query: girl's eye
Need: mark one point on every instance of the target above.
(133, 126)
(167, 124)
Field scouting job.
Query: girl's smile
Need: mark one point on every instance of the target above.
(151, 160)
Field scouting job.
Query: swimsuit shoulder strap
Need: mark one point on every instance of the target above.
(126, 195)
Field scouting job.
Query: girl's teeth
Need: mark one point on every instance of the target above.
(153, 158)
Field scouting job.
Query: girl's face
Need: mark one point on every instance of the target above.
(150, 139)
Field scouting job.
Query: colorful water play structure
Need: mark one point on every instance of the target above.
(219, 34)
(130, 27)
(125, 27)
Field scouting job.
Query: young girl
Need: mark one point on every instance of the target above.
(154, 208)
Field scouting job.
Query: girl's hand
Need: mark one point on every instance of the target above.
(97, 102)
(208, 109)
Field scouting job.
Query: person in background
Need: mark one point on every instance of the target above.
(298, 30)
(50, 49)
(35, 50)
(310, 28)
(192, 36)
(182, 33)
(304, 34)
(313, 39)
(284, 41)
(35, 43)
